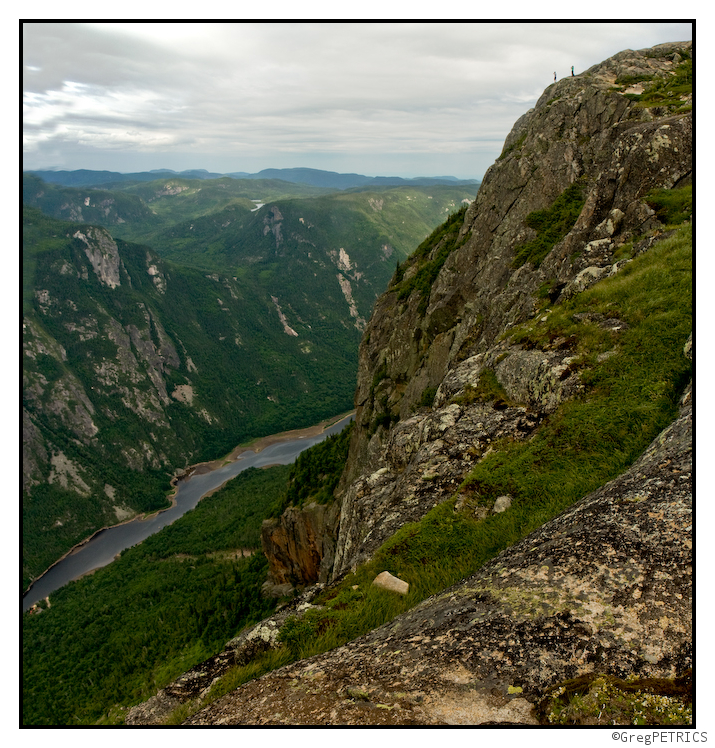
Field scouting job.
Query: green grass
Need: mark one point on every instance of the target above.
(486, 390)
(630, 397)
(235, 677)
(605, 700)
(427, 397)
(665, 91)
(672, 206)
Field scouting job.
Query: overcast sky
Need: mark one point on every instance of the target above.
(412, 99)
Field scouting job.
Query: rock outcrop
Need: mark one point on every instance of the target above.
(299, 545)
(196, 683)
(604, 589)
(584, 131)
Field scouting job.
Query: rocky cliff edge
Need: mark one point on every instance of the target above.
(597, 602)
(589, 132)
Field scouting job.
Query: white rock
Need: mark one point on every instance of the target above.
(387, 582)
(502, 504)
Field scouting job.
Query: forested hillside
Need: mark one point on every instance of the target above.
(211, 323)
(114, 637)
(328, 180)
(163, 606)
(230, 224)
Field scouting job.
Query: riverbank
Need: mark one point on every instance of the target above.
(258, 445)
(254, 447)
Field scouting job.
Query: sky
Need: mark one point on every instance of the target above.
(381, 99)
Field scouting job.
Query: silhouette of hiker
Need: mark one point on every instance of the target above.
(571, 69)
(554, 77)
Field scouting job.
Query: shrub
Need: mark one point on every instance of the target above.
(551, 226)
(488, 389)
(427, 398)
(445, 239)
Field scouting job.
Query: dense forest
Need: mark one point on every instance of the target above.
(117, 635)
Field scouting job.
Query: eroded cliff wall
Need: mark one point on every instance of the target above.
(586, 132)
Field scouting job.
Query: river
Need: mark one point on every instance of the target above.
(102, 548)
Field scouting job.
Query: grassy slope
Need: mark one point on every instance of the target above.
(630, 397)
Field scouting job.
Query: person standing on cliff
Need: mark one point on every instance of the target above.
(554, 77)
(572, 71)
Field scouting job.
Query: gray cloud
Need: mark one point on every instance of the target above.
(414, 98)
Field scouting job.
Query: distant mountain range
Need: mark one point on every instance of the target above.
(314, 177)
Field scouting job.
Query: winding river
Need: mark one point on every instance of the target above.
(103, 547)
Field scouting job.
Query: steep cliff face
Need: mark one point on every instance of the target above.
(300, 545)
(105, 389)
(590, 146)
(461, 366)
(584, 132)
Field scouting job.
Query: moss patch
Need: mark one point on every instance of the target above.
(605, 700)
(487, 390)
(672, 206)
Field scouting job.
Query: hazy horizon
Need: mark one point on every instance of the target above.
(209, 171)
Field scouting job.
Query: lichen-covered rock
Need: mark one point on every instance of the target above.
(539, 379)
(605, 588)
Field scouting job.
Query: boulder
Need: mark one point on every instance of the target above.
(392, 584)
